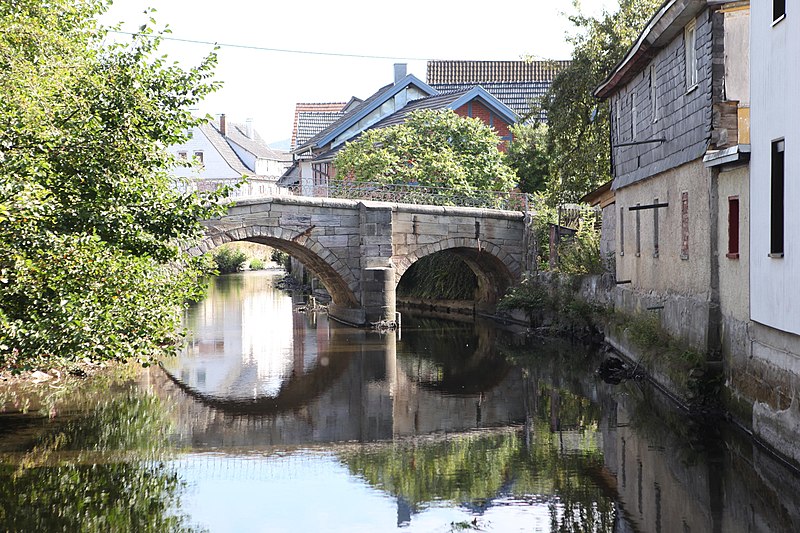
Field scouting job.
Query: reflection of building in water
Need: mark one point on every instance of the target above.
(241, 342)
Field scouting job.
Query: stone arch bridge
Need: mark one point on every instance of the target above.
(360, 249)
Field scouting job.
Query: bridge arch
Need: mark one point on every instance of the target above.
(494, 269)
(335, 275)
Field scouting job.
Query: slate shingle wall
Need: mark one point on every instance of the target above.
(683, 118)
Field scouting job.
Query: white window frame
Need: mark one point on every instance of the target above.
(653, 93)
(690, 54)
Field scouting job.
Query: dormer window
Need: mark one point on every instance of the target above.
(690, 45)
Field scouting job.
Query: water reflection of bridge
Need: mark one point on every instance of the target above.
(361, 393)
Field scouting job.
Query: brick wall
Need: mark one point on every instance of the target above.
(476, 109)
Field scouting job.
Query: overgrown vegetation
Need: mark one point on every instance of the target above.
(552, 302)
(439, 276)
(685, 366)
(90, 221)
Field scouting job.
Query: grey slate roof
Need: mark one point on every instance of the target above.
(237, 133)
(516, 95)
(481, 72)
(515, 83)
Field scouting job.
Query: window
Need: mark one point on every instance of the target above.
(733, 227)
(638, 233)
(690, 45)
(183, 155)
(777, 200)
(778, 10)
(621, 231)
(199, 156)
(653, 94)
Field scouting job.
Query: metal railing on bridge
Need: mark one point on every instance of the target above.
(416, 194)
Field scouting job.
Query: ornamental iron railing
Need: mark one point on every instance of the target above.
(416, 194)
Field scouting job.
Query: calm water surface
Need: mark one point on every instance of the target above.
(280, 421)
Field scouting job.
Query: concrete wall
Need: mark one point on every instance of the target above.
(678, 275)
(734, 286)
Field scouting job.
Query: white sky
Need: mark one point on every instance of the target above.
(266, 85)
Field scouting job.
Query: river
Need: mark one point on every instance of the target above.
(279, 420)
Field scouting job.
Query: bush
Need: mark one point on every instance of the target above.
(229, 261)
(256, 264)
(282, 258)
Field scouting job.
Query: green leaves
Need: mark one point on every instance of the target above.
(578, 134)
(432, 148)
(90, 221)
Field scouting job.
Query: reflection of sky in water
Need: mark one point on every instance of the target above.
(314, 491)
(243, 339)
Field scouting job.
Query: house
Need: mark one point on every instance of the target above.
(517, 84)
(228, 151)
(767, 375)
(388, 106)
(679, 147)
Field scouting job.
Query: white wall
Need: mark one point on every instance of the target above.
(215, 166)
(775, 79)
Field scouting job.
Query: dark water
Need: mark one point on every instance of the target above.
(275, 420)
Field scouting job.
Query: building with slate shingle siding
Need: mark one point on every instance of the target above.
(679, 106)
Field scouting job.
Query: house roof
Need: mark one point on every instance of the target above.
(237, 133)
(516, 95)
(363, 109)
(480, 72)
(515, 83)
(450, 101)
(667, 22)
(221, 145)
(312, 118)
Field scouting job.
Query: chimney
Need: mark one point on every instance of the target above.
(222, 127)
(250, 128)
(399, 71)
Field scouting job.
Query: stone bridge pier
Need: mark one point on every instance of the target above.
(360, 249)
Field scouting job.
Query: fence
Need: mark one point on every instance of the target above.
(416, 194)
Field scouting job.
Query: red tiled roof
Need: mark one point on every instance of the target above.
(311, 118)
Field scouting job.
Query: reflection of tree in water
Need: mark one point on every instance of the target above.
(102, 471)
(478, 470)
(452, 357)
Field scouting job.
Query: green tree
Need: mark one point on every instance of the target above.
(528, 156)
(432, 148)
(578, 133)
(90, 220)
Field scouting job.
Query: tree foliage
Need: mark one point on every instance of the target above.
(578, 134)
(90, 220)
(431, 148)
(527, 155)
